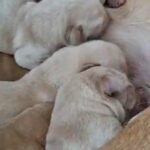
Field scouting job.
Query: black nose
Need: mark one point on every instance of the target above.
(37, 0)
(114, 3)
(108, 4)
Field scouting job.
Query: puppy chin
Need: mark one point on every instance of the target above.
(116, 109)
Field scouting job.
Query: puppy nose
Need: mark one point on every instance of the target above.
(37, 0)
(114, 4)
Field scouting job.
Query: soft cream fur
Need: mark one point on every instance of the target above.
(8, 12)
(9, 70)
(41, 83)
(89, 110)
(42, 28)
(130, 29)
(136, 135)
(27, 131)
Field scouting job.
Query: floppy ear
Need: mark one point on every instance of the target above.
(114, 88)
(74, 35)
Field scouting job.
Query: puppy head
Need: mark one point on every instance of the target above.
(74, 59)
(115, 90)
(114, 85)
(87, 20)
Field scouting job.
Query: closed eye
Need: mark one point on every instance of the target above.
(88, 66)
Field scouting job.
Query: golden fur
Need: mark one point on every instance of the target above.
(135, 136)
(27, 130)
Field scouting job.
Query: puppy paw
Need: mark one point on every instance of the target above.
(25, 61)
(30, 57)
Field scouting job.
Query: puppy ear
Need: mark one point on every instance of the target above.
(113, 88)
(75, 36)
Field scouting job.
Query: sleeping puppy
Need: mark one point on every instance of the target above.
(27, 130)
(41, 83)
(9, 70)
(44, 27)
(8, 12)
(89, 110)
(135, 136)
(130, 29)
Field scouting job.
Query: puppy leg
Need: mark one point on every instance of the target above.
(30, 56)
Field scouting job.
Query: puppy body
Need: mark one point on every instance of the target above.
(41, 83)
(130, 30)
(84, 116)
(46, 26)
(8, 12)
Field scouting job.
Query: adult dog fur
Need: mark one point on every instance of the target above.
(136, 135)
(41, 83)
(27, 130)
(89, 110)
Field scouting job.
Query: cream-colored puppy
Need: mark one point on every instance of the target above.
(8, 12)
(89, 110)
(130, 29)
(41, 83)
(44, 27)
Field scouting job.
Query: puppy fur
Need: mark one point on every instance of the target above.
(130, 28)
(8, 12)
(41, 83)
(89, 110)
(42, 28)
